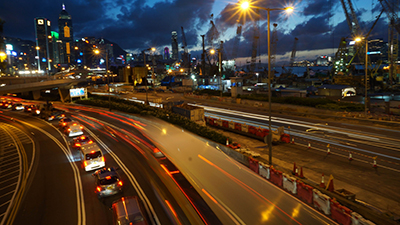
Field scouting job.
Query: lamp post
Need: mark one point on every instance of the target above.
(144, 65)
(97, 51)
(366, 76)
(246, 5)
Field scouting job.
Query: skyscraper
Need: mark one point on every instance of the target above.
(44, 43)
(66, 35)
(166, 53)
(174, 44)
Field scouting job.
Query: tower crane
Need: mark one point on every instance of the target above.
(185, 55)
(237, 40)
(293, 55)
(256, 39)
(274, 41)
(394, 25)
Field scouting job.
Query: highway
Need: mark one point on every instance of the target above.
(58, 189)
(233, 192)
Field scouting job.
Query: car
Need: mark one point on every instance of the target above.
(108, 182)
(73, 129)
(52, 115)
(92, 157)
(80, 141)
(64, 121)
(29, 108)
(17, 106)
(6, 104)
(128, 210)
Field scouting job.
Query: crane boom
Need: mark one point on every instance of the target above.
(293, 55)
(256, 38)
(185, 55)
(391, 12)
(351, 18)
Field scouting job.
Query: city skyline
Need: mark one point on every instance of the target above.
(313, 22)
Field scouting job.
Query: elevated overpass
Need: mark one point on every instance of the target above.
(35, 87)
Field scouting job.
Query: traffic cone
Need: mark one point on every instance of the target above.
(322, 184)
(309, 145)
(330, 187)
(292, 140)
(227, 142)
(328, 152)
(374, 165)
(294, 172)
(350, 157)
(301, 172)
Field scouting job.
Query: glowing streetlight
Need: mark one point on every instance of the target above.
(96, 51)
(245, 5)
(358, 39)
(212, 51)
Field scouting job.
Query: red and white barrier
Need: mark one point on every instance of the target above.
(289, 184)
(305, 192)
(263, 170)
(276, 177)
(253, 164)
(245, 128)
(357, 219)
(219, 122)
(321, 202)
(231, 125)
(340, 213)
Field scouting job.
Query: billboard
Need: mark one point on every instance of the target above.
(77, 92)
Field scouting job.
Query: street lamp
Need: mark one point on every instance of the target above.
(246, 5)
(358, 39)
(144, 65)
(97, 51)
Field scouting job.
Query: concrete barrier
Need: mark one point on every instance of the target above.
(289, 184)
(322, 202)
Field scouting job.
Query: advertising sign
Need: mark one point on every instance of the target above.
(77, 92)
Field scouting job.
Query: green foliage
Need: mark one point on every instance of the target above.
(145, 110)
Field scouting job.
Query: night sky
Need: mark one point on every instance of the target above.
(139, 24)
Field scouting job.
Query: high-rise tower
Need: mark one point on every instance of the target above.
(66, 35)
(174, 40)
(44, 48)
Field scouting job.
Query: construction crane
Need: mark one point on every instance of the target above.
(237, 40)
(256, 39)
(394, 25)
(274, 42)
(185, 54)
(293, 55)
(341, 62)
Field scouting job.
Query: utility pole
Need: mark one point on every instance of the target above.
(203, 58)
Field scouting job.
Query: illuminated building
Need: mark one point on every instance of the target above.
(44, 44)
(66, 36)
(166, 53)
(174, 40)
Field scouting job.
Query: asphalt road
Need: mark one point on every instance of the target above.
(59, 191)
(244, 198)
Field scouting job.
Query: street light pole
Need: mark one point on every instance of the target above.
(246, 5)
(108, 81)
(269, 139)
(144, 65)
(366, 77)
